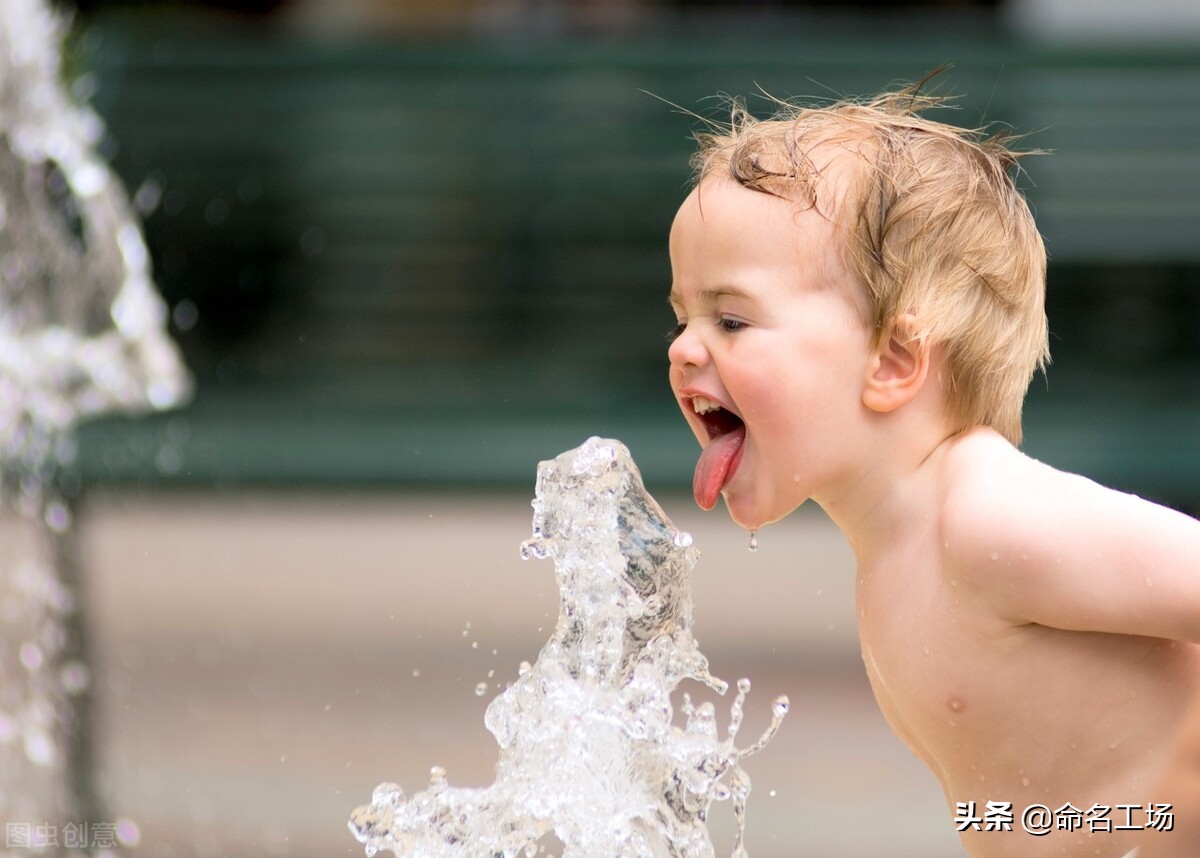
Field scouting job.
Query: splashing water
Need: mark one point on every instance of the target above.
(81, 334)
(82, 330)
(588, 749)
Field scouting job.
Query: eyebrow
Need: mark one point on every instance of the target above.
(711, 296)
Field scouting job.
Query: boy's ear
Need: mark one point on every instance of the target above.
(898, 367)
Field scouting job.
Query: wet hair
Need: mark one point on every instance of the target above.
(931, 224)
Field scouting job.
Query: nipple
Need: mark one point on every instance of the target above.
(753, 540)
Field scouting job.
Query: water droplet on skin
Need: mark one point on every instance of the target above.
(1113, 745)
(771, 793)
(925, 650)
(1025, 782)
(416, 672)
(995, 555)
(754, 540)
(481, 689)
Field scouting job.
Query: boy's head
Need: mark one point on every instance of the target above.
(931, 224)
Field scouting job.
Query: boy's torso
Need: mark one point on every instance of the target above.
(1018, 714)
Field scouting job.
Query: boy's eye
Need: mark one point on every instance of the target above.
(730, 326)
(676, 332)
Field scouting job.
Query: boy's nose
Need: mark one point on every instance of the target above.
(687, 350)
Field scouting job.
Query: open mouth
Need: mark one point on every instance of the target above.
(717, 421)
(721, 455)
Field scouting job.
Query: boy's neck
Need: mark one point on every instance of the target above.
(894, 490)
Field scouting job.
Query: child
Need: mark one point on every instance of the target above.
(860, 296)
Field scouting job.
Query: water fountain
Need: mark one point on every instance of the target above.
(588, 745)
(82, 333)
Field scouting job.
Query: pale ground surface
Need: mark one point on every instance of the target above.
(264, 661)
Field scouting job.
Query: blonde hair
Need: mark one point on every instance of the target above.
(933, 225)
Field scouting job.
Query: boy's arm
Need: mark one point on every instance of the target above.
(1059, 550)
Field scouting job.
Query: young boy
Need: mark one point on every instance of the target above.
(860, 296)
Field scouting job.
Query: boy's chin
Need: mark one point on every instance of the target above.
(749, 514)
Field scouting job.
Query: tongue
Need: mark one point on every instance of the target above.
(715, 463)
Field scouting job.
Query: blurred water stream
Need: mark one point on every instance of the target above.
(82, 333)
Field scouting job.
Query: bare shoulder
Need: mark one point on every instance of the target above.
(1059, 549)
(993, 495)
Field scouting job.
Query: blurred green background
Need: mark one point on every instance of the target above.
(424, 243)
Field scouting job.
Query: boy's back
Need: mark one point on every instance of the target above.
(1018, 639)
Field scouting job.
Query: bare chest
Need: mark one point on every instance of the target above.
(923, 646)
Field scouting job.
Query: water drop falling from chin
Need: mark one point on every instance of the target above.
(754, 540)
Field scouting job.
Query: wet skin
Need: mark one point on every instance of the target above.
(1028, 633)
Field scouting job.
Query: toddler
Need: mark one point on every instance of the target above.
(860, 301)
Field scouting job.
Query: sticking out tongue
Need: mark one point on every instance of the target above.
(716, 463)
